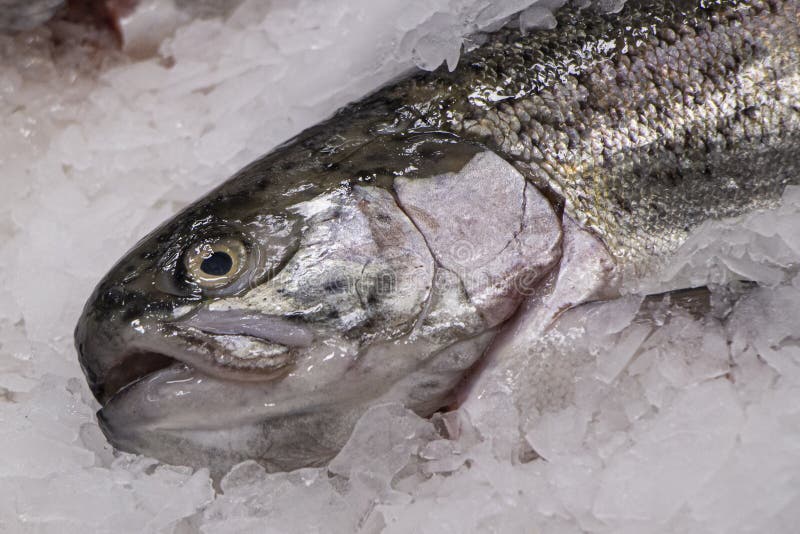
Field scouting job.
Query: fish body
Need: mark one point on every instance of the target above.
(374, 257)
(643, 123)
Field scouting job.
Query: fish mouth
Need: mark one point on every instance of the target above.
(134, 367)
(226, 345)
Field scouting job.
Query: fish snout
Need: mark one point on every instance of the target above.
(107, 336)
(121, 339)
(128, 308)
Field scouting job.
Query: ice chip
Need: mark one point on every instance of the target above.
(557, 433)
(611, 364)
(537, 17)
(383, 442)
(672, 456)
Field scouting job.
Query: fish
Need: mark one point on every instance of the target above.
(398, 251)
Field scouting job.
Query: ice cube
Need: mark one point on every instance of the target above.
(673, 455)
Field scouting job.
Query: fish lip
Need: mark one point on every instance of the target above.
(195, 342)
(244, 322)
(142, 361)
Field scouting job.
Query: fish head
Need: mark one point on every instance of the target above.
(263, 320)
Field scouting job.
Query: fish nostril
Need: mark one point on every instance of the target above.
(131, 303)
(114, 296)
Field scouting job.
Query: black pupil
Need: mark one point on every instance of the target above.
(218, 264)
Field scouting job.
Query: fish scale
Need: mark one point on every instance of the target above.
(644, 123)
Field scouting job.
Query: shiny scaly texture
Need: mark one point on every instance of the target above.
(641, 124)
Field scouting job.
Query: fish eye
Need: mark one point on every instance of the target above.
(215, 263)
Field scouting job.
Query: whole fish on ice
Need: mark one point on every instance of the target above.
(376, 256)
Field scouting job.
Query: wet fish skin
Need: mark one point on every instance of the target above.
(636, 142)
(644, 123)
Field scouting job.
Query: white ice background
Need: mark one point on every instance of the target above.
(672, 423)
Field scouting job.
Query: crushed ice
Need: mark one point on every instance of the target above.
(629, 416)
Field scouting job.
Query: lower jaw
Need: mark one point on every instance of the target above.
(279, 444)
(212, 449)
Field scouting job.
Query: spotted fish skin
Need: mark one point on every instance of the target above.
(641, 124)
